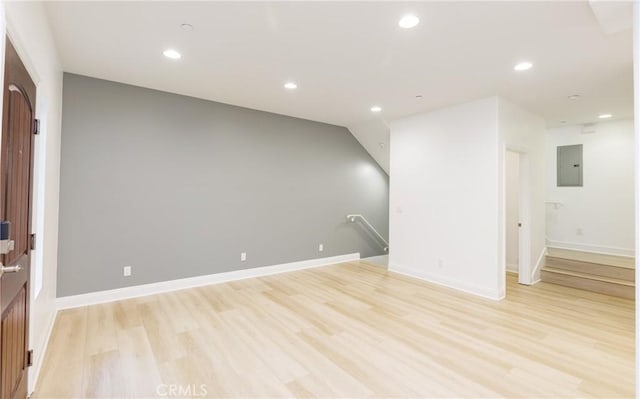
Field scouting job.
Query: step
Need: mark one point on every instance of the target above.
(592, 257)
(616, 272)
(589, 282)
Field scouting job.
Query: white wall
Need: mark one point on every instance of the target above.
(28, 29)
(600, 215)
(523, 131)
(636, 108)
(512, 181)
(447, 194)
(374, 137)
(444, 197)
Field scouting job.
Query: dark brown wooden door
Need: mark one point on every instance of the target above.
(16, 170)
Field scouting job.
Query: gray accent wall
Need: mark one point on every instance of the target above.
(176, 187)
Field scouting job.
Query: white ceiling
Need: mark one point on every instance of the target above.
(348, 56)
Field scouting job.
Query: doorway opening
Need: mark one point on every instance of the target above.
(512, 209)
(517, 230)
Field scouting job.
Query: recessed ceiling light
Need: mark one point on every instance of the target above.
(173, 54)
(523, 66)
(290, 86)
(408, 21)
(605, 116)
(574, 97)
(376, 108)
(187, 27)
(381, 144)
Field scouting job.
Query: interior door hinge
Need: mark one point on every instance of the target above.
(33, 242)
(30, 358)
(36, 126)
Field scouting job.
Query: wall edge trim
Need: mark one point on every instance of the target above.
(34, 375)
(535, 273)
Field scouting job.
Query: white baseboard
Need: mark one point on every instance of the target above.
(512, 268)
(599, 249)
(535, 273)
(93, 298)
(381, 260)
(34, 372)
(447, 282)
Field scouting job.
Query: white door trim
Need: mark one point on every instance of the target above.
(524, 205)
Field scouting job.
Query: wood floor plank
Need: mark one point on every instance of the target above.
(140, 367)
(350, 330)
(63, 373)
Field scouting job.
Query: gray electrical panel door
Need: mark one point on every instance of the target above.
(570, 166)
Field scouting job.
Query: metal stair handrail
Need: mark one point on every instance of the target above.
(354, 217)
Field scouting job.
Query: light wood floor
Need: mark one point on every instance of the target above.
(349, 330)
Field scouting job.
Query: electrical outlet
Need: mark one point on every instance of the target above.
(440, 263)
(320, 247)
(126, 271)
(243, 256)
(579, 231)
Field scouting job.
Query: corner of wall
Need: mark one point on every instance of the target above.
(535, 274)
(522, 131)
(373, 136)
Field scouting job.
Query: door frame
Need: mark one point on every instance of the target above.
(30, 93)
(524, 210)
(42, 307)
